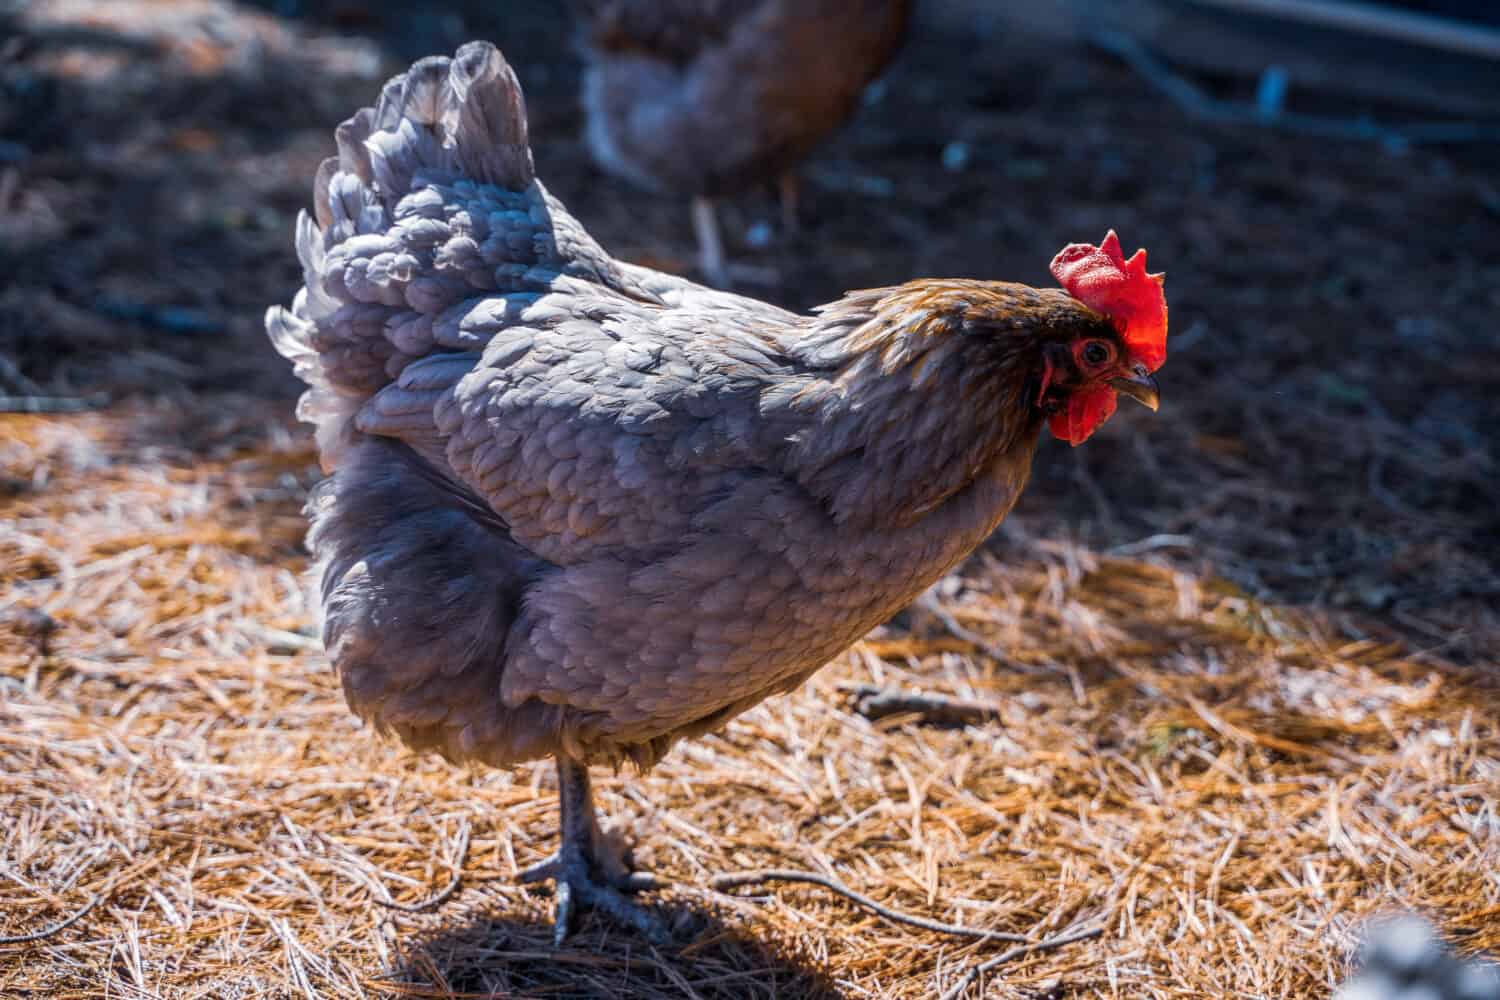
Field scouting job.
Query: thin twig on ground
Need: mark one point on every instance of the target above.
(877, 703)
(444, 894)
(722, 883)
(1046, 944)
(61, 925)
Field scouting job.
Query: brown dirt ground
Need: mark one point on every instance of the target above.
(1247, 694)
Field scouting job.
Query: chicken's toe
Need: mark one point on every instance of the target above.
(612, 870)
(610, 859)
(613, 903)
(584, 884)
(544, 869)
(563, 915)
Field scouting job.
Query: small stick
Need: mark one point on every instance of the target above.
(61, 925)
(720, 883)
(447, 891)
(52, 404)
(877, 703)
(1046, 944)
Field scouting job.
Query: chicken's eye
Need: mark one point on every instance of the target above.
(1097, 352)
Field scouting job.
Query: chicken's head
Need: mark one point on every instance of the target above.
(1081, 378)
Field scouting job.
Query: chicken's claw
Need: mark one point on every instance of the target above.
(581, 885)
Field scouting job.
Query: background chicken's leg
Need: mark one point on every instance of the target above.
(586, 877)
(710, 245)
(790, 194)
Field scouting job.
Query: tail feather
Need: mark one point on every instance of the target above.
(350, 137)
(490, 132)
(430, 204)
(423, 93)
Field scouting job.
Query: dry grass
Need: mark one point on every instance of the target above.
(1215, 781)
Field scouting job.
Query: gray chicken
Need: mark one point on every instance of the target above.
(707, 98)
(583, 509)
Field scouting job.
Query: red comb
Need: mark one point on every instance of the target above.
(1101, 278)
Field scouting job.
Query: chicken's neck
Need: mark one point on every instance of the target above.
(910, 409)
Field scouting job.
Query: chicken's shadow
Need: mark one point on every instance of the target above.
(501, 952)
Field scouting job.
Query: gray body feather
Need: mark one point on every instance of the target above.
(580, 507)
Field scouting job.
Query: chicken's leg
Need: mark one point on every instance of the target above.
(790, 192)
(589, 870)
(711, 260)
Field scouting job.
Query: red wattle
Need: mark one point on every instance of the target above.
(1086, 410)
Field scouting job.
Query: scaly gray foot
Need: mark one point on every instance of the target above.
(581, 885)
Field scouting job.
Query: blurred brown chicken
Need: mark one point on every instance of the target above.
(583, 509)
(706, 98)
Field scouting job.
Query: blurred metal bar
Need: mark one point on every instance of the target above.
(1428, 30)
(1199, 104)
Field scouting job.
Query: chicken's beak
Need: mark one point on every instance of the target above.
(1139, 386)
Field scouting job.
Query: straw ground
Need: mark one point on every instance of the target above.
(1215, 782)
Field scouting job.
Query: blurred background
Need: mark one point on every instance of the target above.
(1318, 180)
